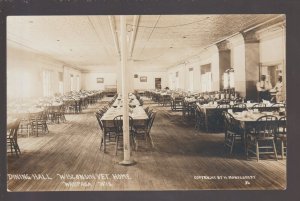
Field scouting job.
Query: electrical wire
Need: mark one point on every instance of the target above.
(179, 25)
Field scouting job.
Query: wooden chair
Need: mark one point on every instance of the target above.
(147, 109)
(118, 122)
(176, 103)
(166, 99)
(262, 138)
(239, 107)
(282, 135)
(223, 106)
(98, 116)
(143, 131)
(199, 119)
(149, 112)
(232, 131)
(150, 124)
(70, 106)
(39, 123)
(141, 102)
(258, 105)
(279, 105)
(25, 126)
(12, 138)
(109, 132)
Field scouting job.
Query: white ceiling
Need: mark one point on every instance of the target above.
(87, 42)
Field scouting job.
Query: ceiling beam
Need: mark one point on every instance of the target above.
(135, 25)
(112, 24)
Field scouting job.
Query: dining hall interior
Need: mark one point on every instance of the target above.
(146, 102)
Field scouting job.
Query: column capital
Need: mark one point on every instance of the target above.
(250, 37)
(223, 45)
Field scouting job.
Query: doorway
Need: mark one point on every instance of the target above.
(157, 83)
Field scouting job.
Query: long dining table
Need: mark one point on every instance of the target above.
(212, 112)
(137, 113)
(247, 120)
(31, 114)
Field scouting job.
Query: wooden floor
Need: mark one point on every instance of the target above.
(182, 159)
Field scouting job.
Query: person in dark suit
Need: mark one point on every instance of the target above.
(263, 88)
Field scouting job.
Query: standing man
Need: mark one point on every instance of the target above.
(278, 90)
(263, 88)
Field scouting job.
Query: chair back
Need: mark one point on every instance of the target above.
(230, 123)
(279, 105)
(141, 102)
(13, 132)
(223, 106)
(150, 112)
(239, 107)
(99, 116)
(147, 109)
(118, 123)
(266, 126)
(258, 105)
(282, 125)
(151, 120)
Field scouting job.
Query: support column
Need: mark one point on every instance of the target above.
(130, 76)
(251, 64)
(237, 57)
(119, 78)
(124, 72)
(224, 59)
(284, 62)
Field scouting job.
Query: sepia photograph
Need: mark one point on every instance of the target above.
(186, 102)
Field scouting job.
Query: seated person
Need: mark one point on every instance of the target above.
(263, 88)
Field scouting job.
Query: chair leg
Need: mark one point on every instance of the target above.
(18, 148)
(135, 143)
(11, 146)
(274, 148)
(232, 144)
(257, 151)
(14, 147)
(117, 141)
(282, 150)
(101, 141)
(150, 139)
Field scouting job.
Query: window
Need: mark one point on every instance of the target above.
(72, 83)
(191, 79)
(206, 78)
(177, 80)
(231, 78)
(206, 82)
(47, 83)
(61, 83)
(78, 83)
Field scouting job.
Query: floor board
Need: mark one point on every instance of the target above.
(180, 153)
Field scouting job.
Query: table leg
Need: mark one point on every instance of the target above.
(36, 125)
(245, 141)
(104, 139)
(206, 121)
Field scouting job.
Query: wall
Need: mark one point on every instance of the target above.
(68, 71)
(271, 46)
(89, 80)
(237, 46)
(209, 56)
(25, 73)
(150, 84)
(272, 50)
(180, 81)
